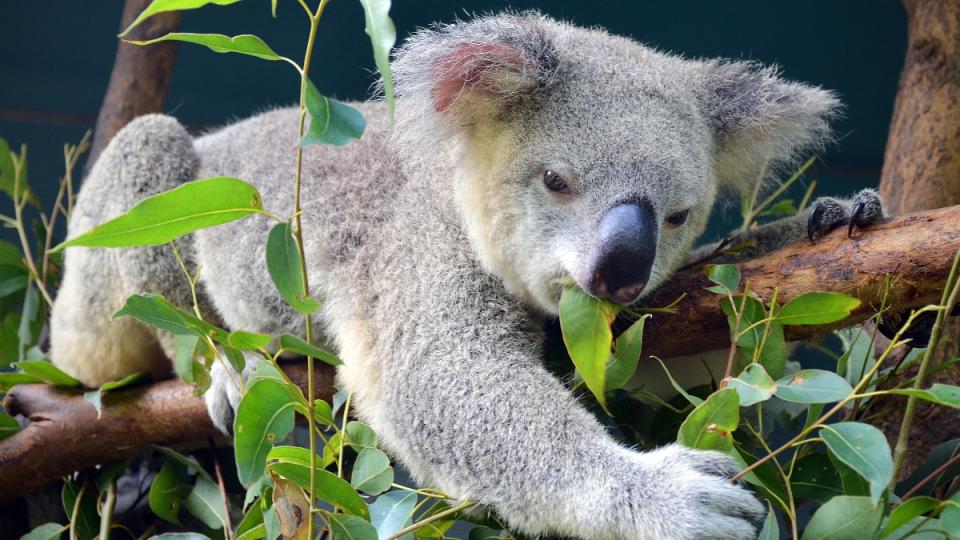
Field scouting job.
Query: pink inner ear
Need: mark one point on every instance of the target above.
(468, 67)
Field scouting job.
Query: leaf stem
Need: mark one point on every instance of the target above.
(947, 302)
(439, 515)
(106, 511)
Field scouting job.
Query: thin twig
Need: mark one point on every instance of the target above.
(228, 530)
(439, 515)
(106, 511)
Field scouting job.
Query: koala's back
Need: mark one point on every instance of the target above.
(349, 195)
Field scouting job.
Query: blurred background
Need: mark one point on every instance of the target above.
(57, 57)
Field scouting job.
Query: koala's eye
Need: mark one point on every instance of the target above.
(555, 182)
(678, 218)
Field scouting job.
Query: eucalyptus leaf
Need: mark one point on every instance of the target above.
(348, 527)
(393, 511)
(863, 448)
(206, 503)
(906, 511)
(162, 6)
(47, 531)
(383, 35)
(331, 121)
(283, 265)
(727, 276)
(247, 341)
(47, 372)
(156, 311)
(941, 394)
(243, 44)
(87, 522)
(844, 518)
(813, 386)
(169, 215)
(8, 425)
(294, 344)
(817, 308)
(771, 529)
(815, 478)
(168, 489)
(330, 487)
(95, 397)
(623, 361)
(753, 385)
(711, 425)
(585, 323)
(372, 473)
(264, 417)
(360, 436)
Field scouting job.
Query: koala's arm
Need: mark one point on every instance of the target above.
(466, 405)
(824, 215)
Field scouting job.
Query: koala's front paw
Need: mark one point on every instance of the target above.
(223, 396)
(693, 497)
(828, 213)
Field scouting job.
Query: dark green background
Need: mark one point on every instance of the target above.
(57, 57)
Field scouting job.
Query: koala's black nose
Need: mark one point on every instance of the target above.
(624, 248)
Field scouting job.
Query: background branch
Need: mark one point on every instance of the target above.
(62, 433)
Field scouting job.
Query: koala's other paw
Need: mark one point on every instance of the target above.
(223, 397)
(696, 498)
(828, 213)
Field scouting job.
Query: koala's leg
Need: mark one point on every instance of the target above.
(824, 215)
(150, 155)
(460, 396)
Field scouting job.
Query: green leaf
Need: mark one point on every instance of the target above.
(154, 310)
(175, 213)
(331, 121)
(47, 531)
(251, 525)
(186, 461)
(206, 503)
(725, 275)
(816, 479)
(783, 208)
(906, 511)
(243, 44)
(393, 511)
(235, 358)
(360, 436)
(347, 527)
(863, 448)
(10, 254)
(753, 385)
(283, 264)
(372, 473)
(95, 397)
(844, 518)
(383, 35)
(12, 279)
(294, 344)
(941, 394)
(771, 529)
(161, 6)
(7, 169)
(264, 417)
(185, 363)
(8, 425)
(322, 412)
(711, 425)
(9, 380)
(87, 524)
(813, 386)
(950, 516)
(817, 308)
(753, 312)
(47, 372)
(180, 536)
(247, 341)
(28, 315)
(168, 489)
(293, 463)
(692, 399)
(626, 354)
(585, 323)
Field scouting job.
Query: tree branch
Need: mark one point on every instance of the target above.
(63, 434)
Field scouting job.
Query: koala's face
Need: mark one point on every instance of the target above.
(590, 156)
(609, 189)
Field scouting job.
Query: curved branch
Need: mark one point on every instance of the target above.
(63, 434)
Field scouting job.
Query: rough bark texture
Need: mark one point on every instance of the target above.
(63, 433)
(140, 77)
(921, 171)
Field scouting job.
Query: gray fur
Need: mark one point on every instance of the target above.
(435, 250)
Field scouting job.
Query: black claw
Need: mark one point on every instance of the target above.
(854, 217)
(812, 221)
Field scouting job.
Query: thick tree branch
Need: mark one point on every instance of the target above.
(63, 433)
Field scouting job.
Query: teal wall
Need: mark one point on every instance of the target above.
(56, 59)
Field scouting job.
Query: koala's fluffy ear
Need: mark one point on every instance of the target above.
(455, 76)
(762, 122)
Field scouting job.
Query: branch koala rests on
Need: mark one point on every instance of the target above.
(525, 150)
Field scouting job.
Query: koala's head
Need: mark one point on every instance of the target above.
(587, 155)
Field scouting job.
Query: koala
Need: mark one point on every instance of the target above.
(524, 150)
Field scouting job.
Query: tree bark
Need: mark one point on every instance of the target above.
(140, 77)
(63, 433)
(921, 171)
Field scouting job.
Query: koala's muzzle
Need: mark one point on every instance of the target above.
(625, 246)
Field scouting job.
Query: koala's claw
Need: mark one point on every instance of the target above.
(828, 213)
